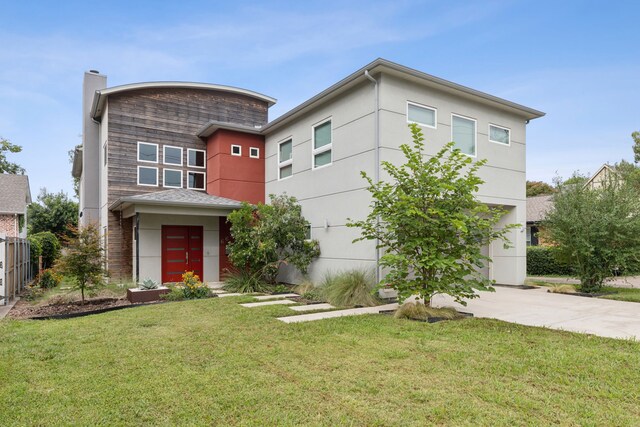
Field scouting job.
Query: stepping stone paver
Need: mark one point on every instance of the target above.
(277, 296)
(263, 303)
(312, 307)
(338, 313)
(229, 294)
(215, 285)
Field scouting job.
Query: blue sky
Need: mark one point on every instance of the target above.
(579, 61)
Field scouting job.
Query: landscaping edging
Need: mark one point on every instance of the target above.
(136, 295)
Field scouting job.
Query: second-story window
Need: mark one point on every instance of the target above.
(147, 152)
(285, 159)
(236, 150)
(421, 114)
(463, 133)
(172, 178)
(196, 181)
(499, 134)
(254, 152)
(195, 158)
(148, 176)
(172, 155)
(322, 144)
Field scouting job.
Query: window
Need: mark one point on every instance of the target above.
(172, 155)
(322, 144)
(422, 115)
(285, 159)
(196, 181)
(463, 132)
(254, 153)
(307, 234)
(147, 152)
(147, 176)
(172, 178)
(195, 158)
(499, 134)
(236, 150)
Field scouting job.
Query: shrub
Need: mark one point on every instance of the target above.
(48, 279)
(562, 289)
(35, 250)
(280, 289)
(192, 287)
(350, 288)
(304, 287)
(245, 281)
(541, 261)
(419, 311)
(49, 248)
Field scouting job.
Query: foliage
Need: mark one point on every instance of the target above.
(49, 279)
(175, 293)
(538, 188)
(350, 288)
(76, 181)
(304, 287)
(313, 295)
(576, 179)
(268, 236)
(35, 249)
(596, 230)
(541, 262)
(430, 225)
(562, 289)
(636, 146)
(83, 259)
(47, 245)
(32, 292)
(5, 165)
(419, 311)
(280, 289)
(192, 287)
(53, 212)
(149, 284)
(245, 281)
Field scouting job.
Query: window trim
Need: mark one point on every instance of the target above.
(285, 163)
(204, 166)
(204, 181)
(257, 156)
(164, 180)
(475, 133)
(426, 107)
(508, 144)
(239, 150)
(164, 155)
(324, 148)
(148, 161)
(147, 185)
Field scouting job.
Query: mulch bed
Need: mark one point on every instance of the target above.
(26, 310)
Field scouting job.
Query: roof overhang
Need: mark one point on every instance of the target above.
(213, 126)
(383, 66)
(101, 96)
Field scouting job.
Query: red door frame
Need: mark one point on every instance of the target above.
(182, 250)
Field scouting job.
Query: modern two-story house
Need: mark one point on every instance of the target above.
(163, 163)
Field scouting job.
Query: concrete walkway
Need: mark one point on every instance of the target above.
(618, 282)
(4, 309)
(273, 302)
(338, 313)
(537, 307)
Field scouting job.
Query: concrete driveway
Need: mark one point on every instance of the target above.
(537, 307)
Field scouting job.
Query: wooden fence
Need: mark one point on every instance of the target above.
(15, 267)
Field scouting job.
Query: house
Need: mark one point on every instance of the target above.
(537, 208)
(15, 196)
(602, 175)
(163, 163)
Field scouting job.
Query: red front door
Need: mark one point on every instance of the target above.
(181, 251)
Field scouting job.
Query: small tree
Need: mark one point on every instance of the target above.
(538, 188)
(83, 259)
(430, 225)
(49, 247)
(5, 165)
(596, 230)
(54, 212)
(268, 236)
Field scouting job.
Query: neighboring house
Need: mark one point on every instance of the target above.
(15, 196)
(537, 208)
(605, 173)
(162, 164)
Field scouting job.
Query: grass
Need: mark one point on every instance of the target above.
(349, 288)
(212, 362)
(618, 294)
(419, 311)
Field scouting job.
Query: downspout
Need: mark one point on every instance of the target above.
(376, 169)
(137, 237)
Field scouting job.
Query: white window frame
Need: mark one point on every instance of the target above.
(164, 155)
(310, 238)
(475, 133)
(138, 176)
(285, 163)
(239, 147)
(147, 161)
(508, 144)
(204, 181)
(164, 181)
(203, 157)
(257, 156)
(426, 107)
(328, 147)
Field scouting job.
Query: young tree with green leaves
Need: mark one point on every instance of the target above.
(636, 146)
(54, 212)
(430, 225)
(5, 165)
(268, 236)
(596, 230)
(538, 188)
(83, 259)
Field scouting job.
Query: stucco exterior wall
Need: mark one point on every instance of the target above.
(151, 244)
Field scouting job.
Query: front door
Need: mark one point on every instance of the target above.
(182, 250)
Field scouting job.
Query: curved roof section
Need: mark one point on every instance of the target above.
(100, 97)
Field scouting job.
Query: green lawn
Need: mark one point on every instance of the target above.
(213, 362)
(619, 294)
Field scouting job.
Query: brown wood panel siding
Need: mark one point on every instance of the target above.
(164, 117)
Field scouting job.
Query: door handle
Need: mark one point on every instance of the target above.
(187, 255)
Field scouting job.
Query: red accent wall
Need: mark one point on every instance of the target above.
(236, 177)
